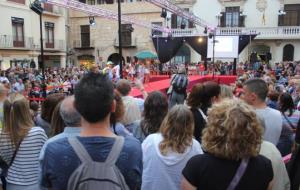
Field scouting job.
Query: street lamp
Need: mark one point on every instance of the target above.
(120, 38)
(212, 35)
(37, 8)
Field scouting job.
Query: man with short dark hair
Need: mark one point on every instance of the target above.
(94, 100)
(255, 94)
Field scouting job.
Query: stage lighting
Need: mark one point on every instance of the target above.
(205, 30)
(36, 7)
(281, 12)
(210, 35)
(200, 40)
(163, 13)
(92, 21)
(131, 29)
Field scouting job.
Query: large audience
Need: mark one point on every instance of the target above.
(79, 128)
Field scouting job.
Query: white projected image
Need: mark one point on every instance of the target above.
(225, 47)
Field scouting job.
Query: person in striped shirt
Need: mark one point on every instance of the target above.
(19, 135)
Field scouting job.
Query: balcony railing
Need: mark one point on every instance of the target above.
(185, 32)
(81, 44)
(286, 32)
(289, 32)
(8, 42)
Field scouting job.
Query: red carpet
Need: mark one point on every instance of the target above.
(163, 85)
(154, 78)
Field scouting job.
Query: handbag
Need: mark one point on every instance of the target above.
(4, 166)
(239, 174)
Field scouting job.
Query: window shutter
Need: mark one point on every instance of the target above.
(241, 21)
(174, 21)
(222, 19)
(191, 24)
(280, 20)
(109, 1)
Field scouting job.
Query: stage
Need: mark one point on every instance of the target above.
(163, 84)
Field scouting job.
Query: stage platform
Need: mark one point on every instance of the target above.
(163, 84)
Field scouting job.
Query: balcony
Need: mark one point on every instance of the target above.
(285, 32)
(51, 10)
(126, 43)
(58, 45)
(79, 44)
(7, 42)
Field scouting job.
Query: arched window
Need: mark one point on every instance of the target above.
(288, 52)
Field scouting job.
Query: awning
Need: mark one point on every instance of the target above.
(146, 55)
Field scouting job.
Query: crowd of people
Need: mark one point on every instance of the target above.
(81, 129)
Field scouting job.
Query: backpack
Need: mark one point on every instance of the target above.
(91, 175)
(179, 83)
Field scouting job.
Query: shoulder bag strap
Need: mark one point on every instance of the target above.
(239, 174)
(290, 123)
(15, 153)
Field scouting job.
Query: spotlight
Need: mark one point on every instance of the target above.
(163, 13)
(92, 21)
(37, 7)
(130, 29)
(200, 40)
(281, 12)
(210, 35)
(205, 30)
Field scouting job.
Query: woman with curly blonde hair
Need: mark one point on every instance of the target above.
(233, 134)
(166, 153)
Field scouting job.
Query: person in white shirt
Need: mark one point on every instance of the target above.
(133, 106)
(169, 150)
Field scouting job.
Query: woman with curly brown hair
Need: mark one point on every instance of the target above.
(166, 153)
(231, 140)
(200, 99)
(155, 110)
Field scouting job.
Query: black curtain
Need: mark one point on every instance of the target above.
(167, 47)
(198, 43)
(244, 40)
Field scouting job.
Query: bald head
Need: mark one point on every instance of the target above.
(68, 112)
